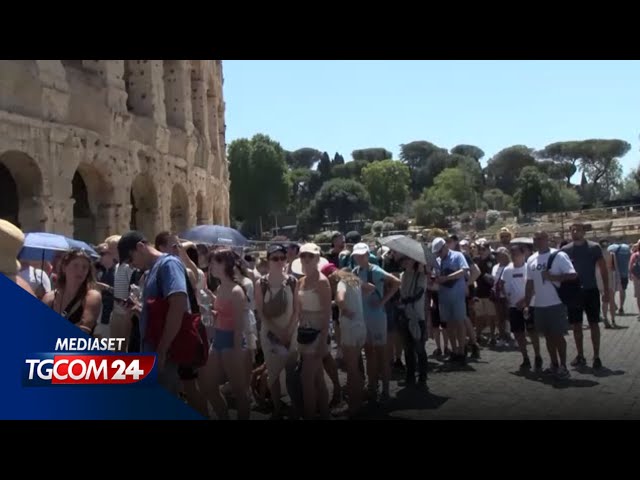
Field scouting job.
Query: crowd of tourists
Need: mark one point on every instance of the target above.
(285, 325)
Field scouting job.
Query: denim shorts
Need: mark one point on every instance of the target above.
(223, 340)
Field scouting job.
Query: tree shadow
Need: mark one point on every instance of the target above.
(554, 382)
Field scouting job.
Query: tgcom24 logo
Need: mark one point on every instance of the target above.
(74, 361)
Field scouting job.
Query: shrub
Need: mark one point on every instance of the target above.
(492, 217)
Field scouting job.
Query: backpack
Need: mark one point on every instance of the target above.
(356, 271)
(277, 304)
(569, 291)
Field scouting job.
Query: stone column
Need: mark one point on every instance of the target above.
(114, 219)
(55, 90)
(177, 94)
(61, 216)
(145, 88)
(199, 106)
(112, 74)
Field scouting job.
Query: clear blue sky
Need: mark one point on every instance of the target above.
(343, 105)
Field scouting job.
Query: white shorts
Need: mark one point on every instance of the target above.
(376, 330)
(352, 334)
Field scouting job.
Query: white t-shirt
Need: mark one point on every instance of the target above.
(546, 294)
(34, 277)
(515, 280)
(353, 299)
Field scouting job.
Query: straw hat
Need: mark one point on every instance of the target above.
(11, 241)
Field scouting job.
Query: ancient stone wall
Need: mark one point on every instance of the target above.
(91, 148)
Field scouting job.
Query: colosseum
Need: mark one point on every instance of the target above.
(89, 148)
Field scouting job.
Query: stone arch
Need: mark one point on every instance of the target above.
(91, 193)
(201, 216)
(144, 206)
(179, 209)
(21, 184)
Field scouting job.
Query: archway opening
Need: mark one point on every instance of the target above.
(179, 209)
(10, 206)
(144, 206)
(21, 186)
(84, 222)
(201, 218)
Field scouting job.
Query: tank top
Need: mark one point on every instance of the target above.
(225, 320)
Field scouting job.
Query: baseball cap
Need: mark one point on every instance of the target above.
(361, 249)
(464, 242)
(353, 237)
(503, 250)
(310, 248)
(278, 247)
(128, 243)
(437, 244)
(328, 269)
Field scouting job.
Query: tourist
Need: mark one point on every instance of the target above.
(105, 276)
(550, 313)
(314, 308)
(36, 277)
(165, 279)
(485, 309)
(505, 236)
(11, 242)
(438, 327)
(246, 279)
(353, 331)
(275, 306)
(608, 294)
(75, 297)
(634, 273)
(412, 320)
(377, 287)
(337, 247)
(452, 270)
(586, 256)
(498, 296)
(514, 282)
(622, 254)
(293, 250)
(120, 323)
(395, 338)
(228, 356)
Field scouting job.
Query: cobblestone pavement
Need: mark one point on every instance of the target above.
(492, 387)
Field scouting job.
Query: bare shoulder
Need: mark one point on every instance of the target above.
(93, 296)
(237, 292)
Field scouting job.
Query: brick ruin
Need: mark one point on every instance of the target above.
(91, 148)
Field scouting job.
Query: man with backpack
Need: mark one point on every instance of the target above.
(622, 254)
(586, 256)
(546, 270)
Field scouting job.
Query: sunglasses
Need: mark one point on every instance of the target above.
(277, 258)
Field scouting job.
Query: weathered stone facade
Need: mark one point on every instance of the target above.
(91, 148)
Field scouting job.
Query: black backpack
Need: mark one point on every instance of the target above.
(570, 292)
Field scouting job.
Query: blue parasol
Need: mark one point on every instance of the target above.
(44, 246)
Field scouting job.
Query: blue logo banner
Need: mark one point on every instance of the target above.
(72, 385)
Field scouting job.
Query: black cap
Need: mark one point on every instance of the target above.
(294, 245)
(353, 237)
(128, 243)
(275, 248)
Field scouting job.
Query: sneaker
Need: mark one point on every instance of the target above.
(562, 373)
(621, 311)
(550, 370)
(475, 351)
(579, 361)
(538, 364)
(526, 364)
(447, 352)
(437, 353)
(597, 363)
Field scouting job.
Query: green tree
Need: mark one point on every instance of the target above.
(259, 180)
(370, 155)
(324, 167)
(569, 198)
(470, 151)
(455, 184)
(496, 199)
(303, 158)
(530, 185)
(629, 188)
(342, 199)
(388, 185)
(565, 154)
(415, 154)
(424, 175)
(503, 168)
(337, 160)
(432, 211)
(351, 170)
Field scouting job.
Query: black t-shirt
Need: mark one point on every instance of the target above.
(485, 282)
(106, 276)
(333, 257)
(584, 258)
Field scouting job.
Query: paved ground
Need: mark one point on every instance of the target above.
(492, 387)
